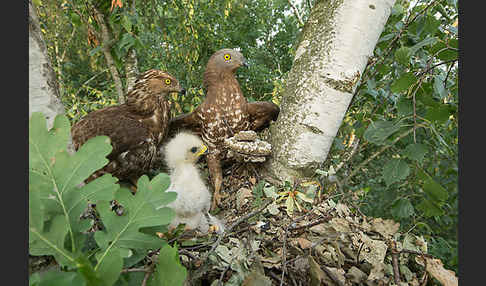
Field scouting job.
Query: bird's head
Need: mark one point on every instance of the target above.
(226, 59)
(158, 82)
(184, 148)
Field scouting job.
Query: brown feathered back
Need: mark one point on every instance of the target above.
(135, 128)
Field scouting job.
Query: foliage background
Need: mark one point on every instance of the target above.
(404, 115)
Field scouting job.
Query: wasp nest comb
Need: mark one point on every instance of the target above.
(246, 147)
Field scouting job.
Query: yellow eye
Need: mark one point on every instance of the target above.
(227, 57)
(167, 81)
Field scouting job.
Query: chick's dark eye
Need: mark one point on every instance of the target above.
(194, 149)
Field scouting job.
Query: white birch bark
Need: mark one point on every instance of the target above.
(43, 87)
(334, 48)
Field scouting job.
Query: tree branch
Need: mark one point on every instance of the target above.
(384, 148)
(296, 13)
(106, 43)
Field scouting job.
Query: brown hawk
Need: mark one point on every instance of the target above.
(136, 127)
(224, 112)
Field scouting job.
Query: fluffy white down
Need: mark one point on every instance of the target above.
(193, 197)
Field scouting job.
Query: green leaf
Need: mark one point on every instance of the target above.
(435, 190)
(54, 175)
(289, 205)
(304, 197)
(416, 152)
(402, 55)
(143, 210)
(126, 23)
(85, 268)
(109, 270)
(404, 106)
(431, 25)
(95, 51)
(50, 240)
(438, 114)
(402, 208)
(169, 270)
(378, 131)
(429, 208)
(439, 87)
(270, 192)
(444, 53)
(57, 278)
(403, 82)
(395, 170)
(427, 42)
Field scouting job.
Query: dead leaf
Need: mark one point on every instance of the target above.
(304, 243)
(115, 3)
(256, 279)
(386, 227)
(436, 269)
(355, 275)
(242, 197)
(316, 273)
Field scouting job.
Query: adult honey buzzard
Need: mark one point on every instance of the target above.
(136, 127)
(224, 112)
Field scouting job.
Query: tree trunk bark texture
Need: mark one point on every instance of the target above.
(43, 87)
(131, 68)
(335, 44)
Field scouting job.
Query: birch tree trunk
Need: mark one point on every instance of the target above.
(43, 87)
(131, 64)
(336, 42)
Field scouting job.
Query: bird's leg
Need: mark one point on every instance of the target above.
(214, 165)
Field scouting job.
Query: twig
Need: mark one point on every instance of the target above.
(134, 270)
(359, 252)
(396, 271)
(275, 276)
(187, 253)
(145, 278)
(296, 12)
(90, 79)
(436, 65)
(447, 75)
(321, 220)
(220, 282)
(416, 252)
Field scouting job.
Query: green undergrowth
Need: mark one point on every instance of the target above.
(58, 198)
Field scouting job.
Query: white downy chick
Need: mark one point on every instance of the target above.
(193, 197)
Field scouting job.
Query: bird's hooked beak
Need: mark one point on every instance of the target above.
(204, 150)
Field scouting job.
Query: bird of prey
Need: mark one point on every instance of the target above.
(224, 112)
(136, 127)
(193, 197)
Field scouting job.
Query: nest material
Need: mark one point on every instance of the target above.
(246, 147)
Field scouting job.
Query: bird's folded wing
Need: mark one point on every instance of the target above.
(261, 114)
(125, 132)
(188, 121)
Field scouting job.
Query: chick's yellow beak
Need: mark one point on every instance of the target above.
(203, 150)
